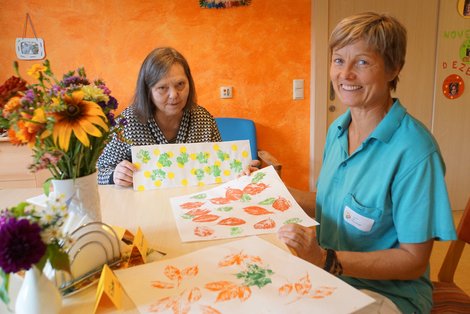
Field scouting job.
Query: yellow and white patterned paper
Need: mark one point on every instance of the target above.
(193, 164)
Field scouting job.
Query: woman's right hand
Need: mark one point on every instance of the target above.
(123, 174)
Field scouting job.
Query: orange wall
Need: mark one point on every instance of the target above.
(258, 49)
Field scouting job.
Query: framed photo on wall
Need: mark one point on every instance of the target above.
(30, 48)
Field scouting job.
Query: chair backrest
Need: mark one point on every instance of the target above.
(451, 260)
(234, 129)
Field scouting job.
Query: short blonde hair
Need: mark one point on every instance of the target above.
(381, 31)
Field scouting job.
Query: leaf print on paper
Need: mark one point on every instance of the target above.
(203, 157)
(164, 160)
(222, 156)
(255, 275)
(303, 289)
(236, 166)
(268, 201)
(199, 196)
(229, 291)
(232, 221)
(158, 174)
(281, 204)
(224, 209)
(238, 259)
(265, 224)
(258, 176)
(206, 218)
(182, 159)
(254, 188)
(219, 200)
(233, 194)
(144, 156)
(203, 231)
(256, 210)
(234, 231)
(191, 205)
(294, 220)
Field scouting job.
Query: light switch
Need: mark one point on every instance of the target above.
(298, 89)
(226, 92)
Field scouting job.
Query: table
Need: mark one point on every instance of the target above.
(124, 207)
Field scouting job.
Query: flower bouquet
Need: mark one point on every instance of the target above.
(31, 237)
(67, 123)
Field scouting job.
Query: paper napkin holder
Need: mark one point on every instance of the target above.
(94, 244)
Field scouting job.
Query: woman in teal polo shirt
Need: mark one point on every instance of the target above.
(381, 196)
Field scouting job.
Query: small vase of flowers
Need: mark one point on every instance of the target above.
(67, 124)
(31, 238)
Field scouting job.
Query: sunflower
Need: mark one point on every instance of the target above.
(80, 116)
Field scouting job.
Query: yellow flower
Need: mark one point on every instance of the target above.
(147, 174)
(81, 117)
(36, 70)
(171, 175)
(192, 156)
(156, 152)
(218, 180)
(141, 188)
(183, 149)
(227, 172)
(158, 183)
(94, 93)
(234, 147)
(137, 165)
(216, 147)
(245, 154)
(184, 182)
(200, 183)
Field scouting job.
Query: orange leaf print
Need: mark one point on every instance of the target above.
(163, 304)
(203, 231)
(173, 273)
(194, 295)
(244, 292)
(219, 285)
(281, 204)
(206, 309)
(198, 212)
(254, 188)
(303, 286)
(285, 289)
(231, 221)
(322, 292)
(190, 271)
(219, 200)
(233, 259)
(162, 285)
(191, 205)
(233, 194)
(265, 224)
(256, 210)
(206, 218)
(227, 295)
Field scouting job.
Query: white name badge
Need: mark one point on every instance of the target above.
(360, 222)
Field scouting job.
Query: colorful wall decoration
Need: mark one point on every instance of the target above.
(176, 165)
(245, 276)
(248, 205)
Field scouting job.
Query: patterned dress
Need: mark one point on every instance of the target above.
(197, 125)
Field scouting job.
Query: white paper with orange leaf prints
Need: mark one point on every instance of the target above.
(249, 205)
(245, 276)
(193, 164)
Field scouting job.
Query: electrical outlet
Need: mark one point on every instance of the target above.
(226, 92)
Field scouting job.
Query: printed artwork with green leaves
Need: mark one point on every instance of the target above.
(248, 205)
(249, 275)
(194, 164)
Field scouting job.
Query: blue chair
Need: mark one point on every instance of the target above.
(234, 129)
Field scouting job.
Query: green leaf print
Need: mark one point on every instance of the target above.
(236, 166)
(216, 172)
(245, 198)
(258, 177)
(199, 174)
(234, 231)
(225, 209)
(144, 156)
(202, 157)
(164, 160)
(199, 196)
(293, 221)
(255, 276)
(182, 158)
(222, 156)
(267, 201)
(158, 174)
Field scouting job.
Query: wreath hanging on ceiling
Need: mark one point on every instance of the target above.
(222, 4)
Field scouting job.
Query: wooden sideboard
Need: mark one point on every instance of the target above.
(14, 162)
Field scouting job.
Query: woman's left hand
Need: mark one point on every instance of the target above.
(252, 167)
(303, 241)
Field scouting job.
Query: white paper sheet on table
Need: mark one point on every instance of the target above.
(249, 275)
(176, 165)
(248, 205)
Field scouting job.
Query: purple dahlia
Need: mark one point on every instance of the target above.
(20, 245)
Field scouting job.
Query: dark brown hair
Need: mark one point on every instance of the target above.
(155, 66)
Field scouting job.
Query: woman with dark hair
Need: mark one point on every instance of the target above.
(164, 111)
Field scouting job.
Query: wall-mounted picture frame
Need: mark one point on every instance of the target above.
(30, 48)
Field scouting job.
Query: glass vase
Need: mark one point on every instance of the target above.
(82, 196)
(37, 295)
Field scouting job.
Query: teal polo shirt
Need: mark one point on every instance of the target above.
(391, 190)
